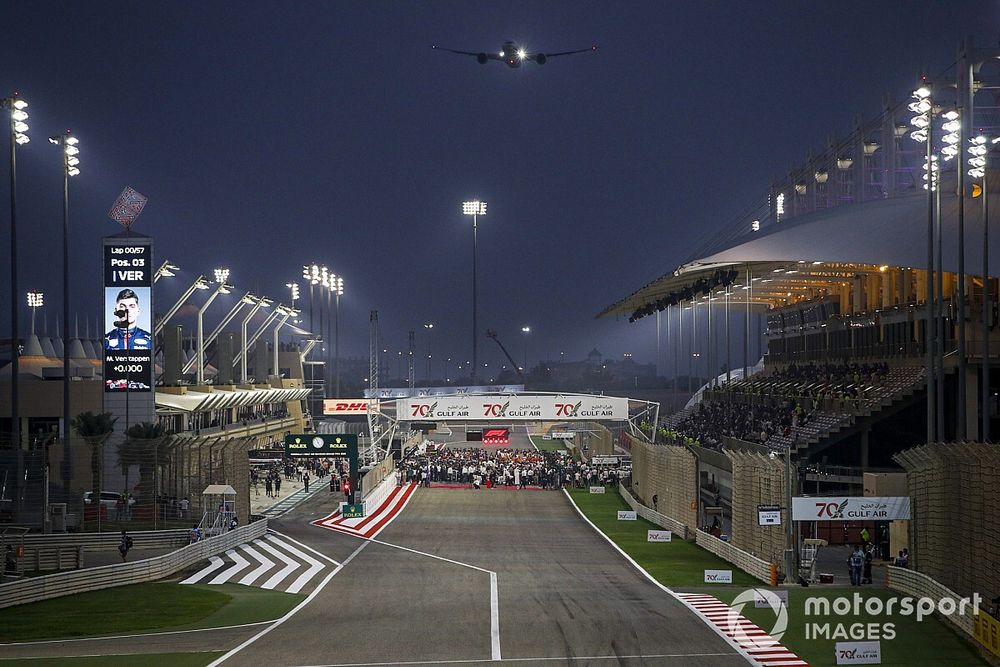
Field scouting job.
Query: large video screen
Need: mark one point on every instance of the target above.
(128, 317)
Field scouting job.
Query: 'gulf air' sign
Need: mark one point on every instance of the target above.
(851, 508)
(507, 408)
(347, 406)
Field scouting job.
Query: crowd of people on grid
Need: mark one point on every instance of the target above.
(517, 468)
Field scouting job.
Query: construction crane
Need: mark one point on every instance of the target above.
(493, 334)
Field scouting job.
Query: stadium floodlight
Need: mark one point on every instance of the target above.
(199, 283)
(222, 288)
(931, 177)
(801, 188)
(475, 209)
(821, 175)
(35, 301)
(166, 270)
(293, 289)
(844, 163)
(870, 147)
(755, 226)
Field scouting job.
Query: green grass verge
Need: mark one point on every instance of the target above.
(677, 564)
(149, 607)
(928, 642)
(147, 659)
(553, 445)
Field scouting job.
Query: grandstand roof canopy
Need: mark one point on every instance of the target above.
(196, 401)
(830, 246)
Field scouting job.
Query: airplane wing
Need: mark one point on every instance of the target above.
(567, 53)
(491, 56)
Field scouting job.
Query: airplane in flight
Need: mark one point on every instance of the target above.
(512, 55)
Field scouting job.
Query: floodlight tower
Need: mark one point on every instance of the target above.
(18, 137)
(475, 209)
(35, 301)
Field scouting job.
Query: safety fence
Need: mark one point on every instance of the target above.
(669, 474)
(651, 515)
(954, 488)
(35, 589)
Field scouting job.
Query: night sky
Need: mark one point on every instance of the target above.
(269, 135)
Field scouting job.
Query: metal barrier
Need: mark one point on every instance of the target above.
(653, 516)
(755, 567)
(920, 585)
(123, 574)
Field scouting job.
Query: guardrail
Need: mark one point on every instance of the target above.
(755, 567)
(919, 585)
(662, 520)
(65, 552)
(123, 574)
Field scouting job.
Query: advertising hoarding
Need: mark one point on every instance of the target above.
(851, 508)
(128, 317)
(507, 408)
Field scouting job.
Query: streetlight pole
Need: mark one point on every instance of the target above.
(18, 136)
(475, 209)
(526, 330)
(221, 276)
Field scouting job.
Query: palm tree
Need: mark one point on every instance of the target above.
(95, 429)
(143, 447)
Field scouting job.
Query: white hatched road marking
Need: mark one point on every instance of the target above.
(214, 564)
(240, 564)
(315, 565)
(265, 564)
(286, 560)
(290, 565)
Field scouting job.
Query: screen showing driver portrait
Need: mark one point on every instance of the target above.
(128, 320)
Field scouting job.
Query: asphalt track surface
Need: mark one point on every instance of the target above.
(421, 594)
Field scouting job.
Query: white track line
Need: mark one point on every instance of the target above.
(144, 634)
(241, 564)
(494, 617)
(567, 658)
(290, 566)
(265, 564)
(218, 661)
(314, 565)
(739, 649)
(304, 546)
(214, 564)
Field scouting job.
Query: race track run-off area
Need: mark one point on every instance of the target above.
(464, 576)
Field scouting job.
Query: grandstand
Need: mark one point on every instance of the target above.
(878, 333)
